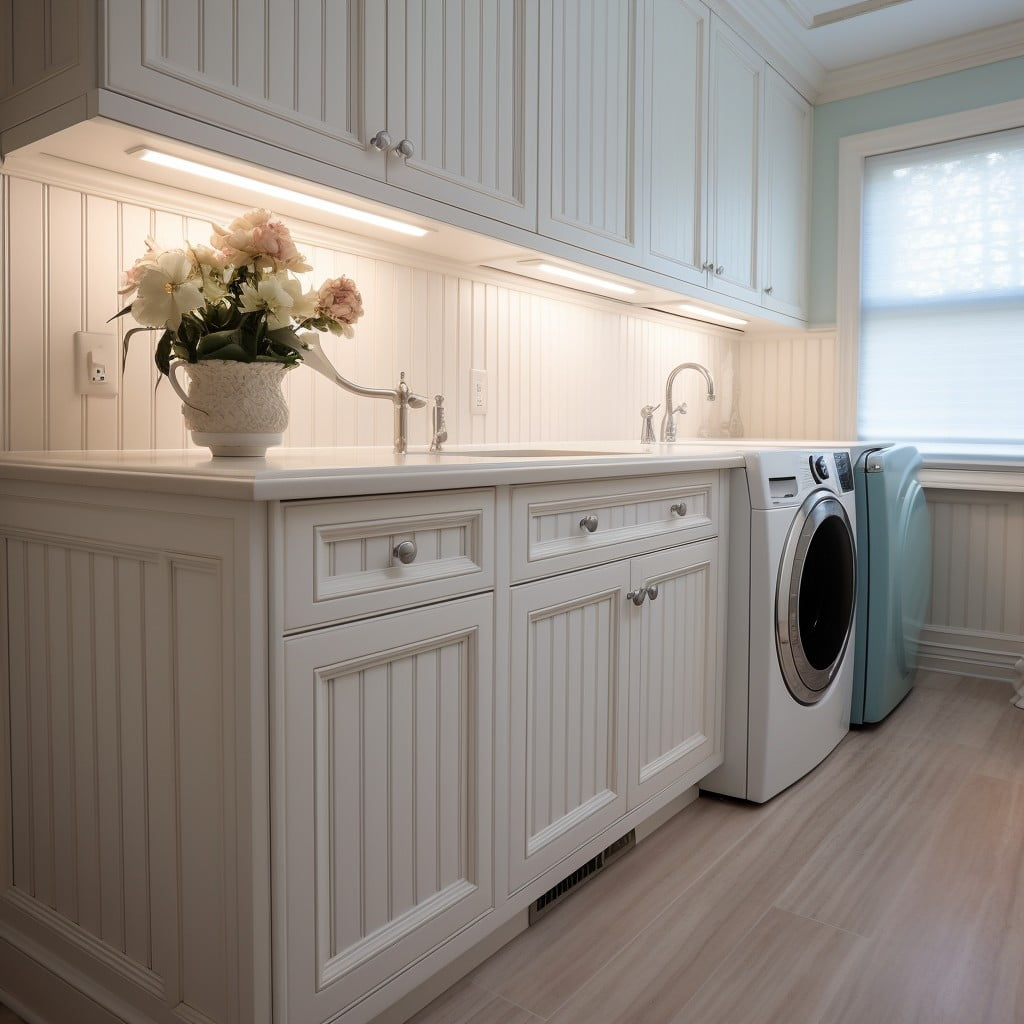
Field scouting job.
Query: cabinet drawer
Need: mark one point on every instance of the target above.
(341, 558)
(551, 524)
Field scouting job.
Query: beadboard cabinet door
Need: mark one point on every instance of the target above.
(675, 708)
(385, 817)
(785, 188)
(675, 138)
(568, 694)
(462, 93)
(589, 110)
(310, 78)
(734, 143)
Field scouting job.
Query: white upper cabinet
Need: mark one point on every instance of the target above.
(588, 125)
(734, 139)
(675, 130)
(308, 77)
(786, 188)
(438, 98)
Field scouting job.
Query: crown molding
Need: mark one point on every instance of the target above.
(1003, 42)
(765, 30)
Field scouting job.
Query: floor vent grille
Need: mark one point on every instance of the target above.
(571, 883)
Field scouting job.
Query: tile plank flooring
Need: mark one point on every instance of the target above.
(885, 887)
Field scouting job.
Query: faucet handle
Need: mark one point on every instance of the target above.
(647, 432)
(440, 429)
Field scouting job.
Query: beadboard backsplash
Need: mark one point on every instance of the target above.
(560, 365)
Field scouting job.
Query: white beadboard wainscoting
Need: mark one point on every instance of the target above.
(560, 364)
(789, 386)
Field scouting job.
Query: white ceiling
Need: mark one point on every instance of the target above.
(868, 30)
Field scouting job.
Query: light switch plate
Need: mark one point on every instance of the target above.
(478, 392)
(96, 364)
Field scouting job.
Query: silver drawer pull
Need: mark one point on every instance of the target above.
(652, 592)
(637, 596)
(679, 509)
(405, 552)
(588, 523)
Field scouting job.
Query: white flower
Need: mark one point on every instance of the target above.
(281, 297)
(167, 290)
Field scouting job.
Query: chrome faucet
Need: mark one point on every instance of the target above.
(668, 419)
(404, 399)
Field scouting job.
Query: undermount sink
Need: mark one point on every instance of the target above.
(528, 453)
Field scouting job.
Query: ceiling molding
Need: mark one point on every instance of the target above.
(1003, 42)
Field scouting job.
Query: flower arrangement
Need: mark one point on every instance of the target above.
(236, 298)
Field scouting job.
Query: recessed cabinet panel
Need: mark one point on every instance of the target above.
(302, 76)
(462, 89)
(588, 124)
(734, 145)
(675, 709)
(568, 699)
(386, 816)
(676, 74)
(786, 189)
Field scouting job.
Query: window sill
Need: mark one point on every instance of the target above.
(964, 468)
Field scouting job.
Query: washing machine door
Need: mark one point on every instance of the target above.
(815, 596)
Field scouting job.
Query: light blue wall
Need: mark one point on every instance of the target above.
(947, 94)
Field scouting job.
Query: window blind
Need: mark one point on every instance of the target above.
(941, 353)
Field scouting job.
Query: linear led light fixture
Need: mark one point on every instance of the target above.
(593, 282)
(710, 314)
(178, 163)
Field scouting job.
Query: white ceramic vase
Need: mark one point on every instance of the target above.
(233, 408)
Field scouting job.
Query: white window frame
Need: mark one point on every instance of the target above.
(853, 151)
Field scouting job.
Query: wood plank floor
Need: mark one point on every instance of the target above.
(886, 887)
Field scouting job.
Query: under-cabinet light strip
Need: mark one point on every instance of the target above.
(178, 163)
(594, 282)
(710, 314)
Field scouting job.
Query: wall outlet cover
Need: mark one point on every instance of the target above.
(96, 364)
(478, 392)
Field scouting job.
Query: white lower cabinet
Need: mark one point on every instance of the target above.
(386, 814)
(614, 695)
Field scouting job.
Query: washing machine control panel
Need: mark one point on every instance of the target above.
(819, 467)
(844, 471)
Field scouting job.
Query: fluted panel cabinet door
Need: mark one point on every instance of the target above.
(589, 110)
(737, 74)
(786, 191)
(462, 89)
(386, 819)
(305, 75)
(675, 130)
(568, 700)
(675, 707)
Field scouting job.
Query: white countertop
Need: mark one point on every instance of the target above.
(288, 473)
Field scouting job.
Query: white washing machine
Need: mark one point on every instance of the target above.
(792, 596)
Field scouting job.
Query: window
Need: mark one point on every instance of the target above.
(941, 354)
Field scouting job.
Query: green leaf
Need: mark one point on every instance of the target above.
(163, 353)
(228, 351)
(127, 309)
(210, 345)
(124, 344)
(253, 329)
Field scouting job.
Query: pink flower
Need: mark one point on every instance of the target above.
(133, 275)
(338, 300)
(257, 239)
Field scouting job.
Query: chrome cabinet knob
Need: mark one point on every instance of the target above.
(707, 265)
(652, 592)
(381, 141)
(405, 552)
(719, 270)
(637, 596)
(588, 523)
(405, 148)
(679, 508)
(768, 290)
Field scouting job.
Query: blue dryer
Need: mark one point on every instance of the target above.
(894, 585)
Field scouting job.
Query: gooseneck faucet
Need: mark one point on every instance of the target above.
(668, 419)
(404, 399)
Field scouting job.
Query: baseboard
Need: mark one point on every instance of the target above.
(981, 655)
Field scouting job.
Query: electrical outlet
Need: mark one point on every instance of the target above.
(95, 364)
(478, 392)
